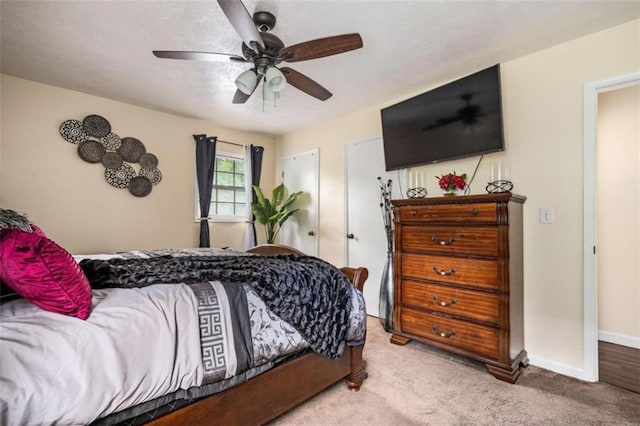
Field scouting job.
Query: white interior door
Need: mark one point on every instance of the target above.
(366, 242)
(300, 173)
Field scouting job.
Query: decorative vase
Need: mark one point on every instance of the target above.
(450, 192)
(385, 304)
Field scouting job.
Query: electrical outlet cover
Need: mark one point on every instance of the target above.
(546, 215)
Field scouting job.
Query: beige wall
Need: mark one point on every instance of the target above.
(618, 190)
(42, 175)
(542, 98)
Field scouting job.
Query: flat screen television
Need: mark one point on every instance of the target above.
(460, 119)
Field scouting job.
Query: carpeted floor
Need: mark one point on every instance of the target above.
(418, 385)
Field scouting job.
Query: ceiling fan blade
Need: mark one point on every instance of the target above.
(305, 84)
(321, 47)
(242, 22)
(198, 56)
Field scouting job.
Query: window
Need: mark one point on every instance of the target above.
(228, 194)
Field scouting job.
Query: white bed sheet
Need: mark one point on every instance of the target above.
(31, 340)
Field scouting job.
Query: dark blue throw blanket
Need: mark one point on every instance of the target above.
(310, 294)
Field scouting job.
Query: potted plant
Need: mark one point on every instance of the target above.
(273, 213)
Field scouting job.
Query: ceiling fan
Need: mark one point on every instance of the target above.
(265, 51)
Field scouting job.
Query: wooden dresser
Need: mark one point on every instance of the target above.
(458, 277)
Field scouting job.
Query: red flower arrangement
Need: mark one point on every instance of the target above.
(452, 182)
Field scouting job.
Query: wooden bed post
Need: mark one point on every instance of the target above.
(358, 373)
(357, 276)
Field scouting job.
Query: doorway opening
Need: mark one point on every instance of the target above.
(591, 91)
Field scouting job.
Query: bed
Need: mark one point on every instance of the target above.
(272, 381)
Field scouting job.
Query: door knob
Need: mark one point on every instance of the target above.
(350, 236)
(311, 233)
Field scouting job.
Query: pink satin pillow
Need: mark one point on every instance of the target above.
(44, 273)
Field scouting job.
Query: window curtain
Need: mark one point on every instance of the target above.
(205, 164)
(253, 169)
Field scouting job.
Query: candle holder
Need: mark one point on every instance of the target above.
(417, 192)
(499, 177)
(499, 186)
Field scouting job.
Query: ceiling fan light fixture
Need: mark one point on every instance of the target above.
(275, 80)
(246, 82)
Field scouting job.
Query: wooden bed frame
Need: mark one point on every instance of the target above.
(276, 391)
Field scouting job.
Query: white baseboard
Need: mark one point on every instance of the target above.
(619, 339)
(556, 367)
(579, 373)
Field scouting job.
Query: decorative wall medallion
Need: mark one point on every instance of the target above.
(72, 131)
(148, 161)
(140, 186)
(96, 125)
(111, 141)
(114, 153)
(153, 175)
(120, 177)
(131, 149)
(112, 160)
(91, 151)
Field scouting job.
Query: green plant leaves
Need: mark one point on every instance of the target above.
(272, 214)
(278, 195)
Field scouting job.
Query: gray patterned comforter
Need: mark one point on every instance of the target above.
(238, 332)
(240, 336)
(307, 292)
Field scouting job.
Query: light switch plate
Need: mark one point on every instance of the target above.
(546, 215)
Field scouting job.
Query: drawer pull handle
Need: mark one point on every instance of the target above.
(437, 240)
(443, 272)
(413, 212)
(442, 302)
(442, 333)
(474, 212)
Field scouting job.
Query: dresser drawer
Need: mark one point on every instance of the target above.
(451, 239)
(480, 273)
(471, 212)
(475, 338)
(471, 304)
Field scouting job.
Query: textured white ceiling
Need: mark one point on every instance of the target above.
(104, 48)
